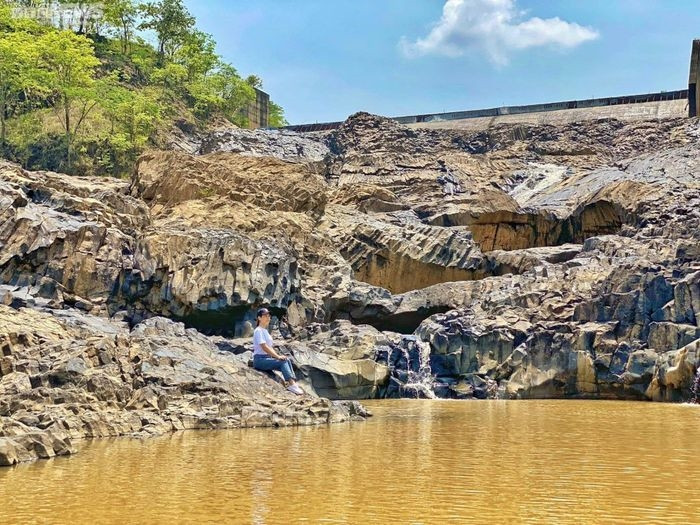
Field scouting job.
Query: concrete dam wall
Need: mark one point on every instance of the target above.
(647, 106)
(629, 112)
(609, 102)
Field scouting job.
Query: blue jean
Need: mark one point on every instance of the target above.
(266, 362)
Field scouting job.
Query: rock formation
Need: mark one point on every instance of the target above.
(518, 261)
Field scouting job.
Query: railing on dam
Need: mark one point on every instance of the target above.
(515, 110)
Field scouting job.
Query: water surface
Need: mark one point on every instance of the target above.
(416, 461)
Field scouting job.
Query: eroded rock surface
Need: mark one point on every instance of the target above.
(521, 261)
(67, 375)
(286, 145)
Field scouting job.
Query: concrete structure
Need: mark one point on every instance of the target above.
(627, 113)
(693, 77)
(647, 106)
(257, 112)
(645, 98)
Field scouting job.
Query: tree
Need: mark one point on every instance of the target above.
(171, 76)
(122, 15)
(70, 61)
(134, 114)
(254, 81)
(9, 23)
(172, 23)
(18, 73)
(275, 116)
(224, 91)
(143, 58)
(234, 92)
(197, 54)
(85, 11)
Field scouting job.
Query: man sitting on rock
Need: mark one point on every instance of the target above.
(265, 357)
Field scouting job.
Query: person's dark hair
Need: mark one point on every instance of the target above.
(261, 312)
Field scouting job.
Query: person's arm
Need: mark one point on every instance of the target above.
(266, 345)
(271, 352)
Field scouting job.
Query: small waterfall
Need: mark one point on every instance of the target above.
(695, 390)
(409, 366)
(492, 389)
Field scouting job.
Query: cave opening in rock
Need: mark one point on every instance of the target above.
(231, 321)
(399, 273)
(516, 231)
(403, 323)
(599, 218)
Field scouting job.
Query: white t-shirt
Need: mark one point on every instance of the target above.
(261, 335)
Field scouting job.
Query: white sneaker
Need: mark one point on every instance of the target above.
(295, 389)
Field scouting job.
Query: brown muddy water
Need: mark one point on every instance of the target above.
(416, 461)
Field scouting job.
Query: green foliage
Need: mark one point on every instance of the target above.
(197, 55)
(84, 103)
(276, 116)
(11, 23)
(46, 152)
(171, 76)
(144, 61)
(69, 61)
(172, 23)
(122, 15)
(19, 75)
(223, 91)
(135, 116)
(254, 81)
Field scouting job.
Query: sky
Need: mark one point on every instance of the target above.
(323, 60)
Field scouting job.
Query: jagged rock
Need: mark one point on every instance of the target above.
(280, 144)
(404, 254)
(338, 361)
(83, 376)
(520, 261)
(340, 379)
(675, 374)
(12, 452)
(70, 237)
(14, 383)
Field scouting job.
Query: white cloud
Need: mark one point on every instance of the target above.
(495, 27)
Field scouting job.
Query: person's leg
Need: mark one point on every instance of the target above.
(265, 363)
(288, 371)
(270, 363)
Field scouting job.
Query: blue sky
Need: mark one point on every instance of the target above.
(323, 60)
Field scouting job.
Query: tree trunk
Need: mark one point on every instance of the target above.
(83, 19)
(125, 42)
(66, 107)
(161, 53)
(2, 133)
(3, 108)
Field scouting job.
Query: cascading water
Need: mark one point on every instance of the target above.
(409, 366)
(695, 390)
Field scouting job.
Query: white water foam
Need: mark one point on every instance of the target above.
(419, 383)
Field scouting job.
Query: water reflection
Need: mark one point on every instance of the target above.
(417, 461)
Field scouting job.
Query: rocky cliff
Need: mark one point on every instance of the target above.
(522, 261)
